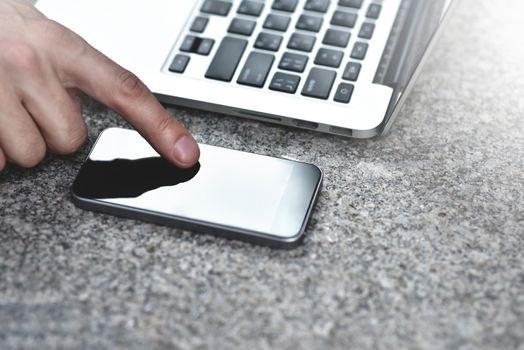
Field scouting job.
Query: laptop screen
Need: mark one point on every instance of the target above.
(416, 26)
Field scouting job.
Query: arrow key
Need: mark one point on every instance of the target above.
(285, 82)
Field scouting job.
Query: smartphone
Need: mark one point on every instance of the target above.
(229, 193)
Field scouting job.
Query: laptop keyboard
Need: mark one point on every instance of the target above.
(254, 59)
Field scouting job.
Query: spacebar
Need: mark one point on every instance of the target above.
(226, 59)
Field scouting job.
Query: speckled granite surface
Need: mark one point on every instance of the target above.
(417, 240)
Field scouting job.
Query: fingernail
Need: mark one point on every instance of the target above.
(186, 150)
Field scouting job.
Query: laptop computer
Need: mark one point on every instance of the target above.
(336, 66)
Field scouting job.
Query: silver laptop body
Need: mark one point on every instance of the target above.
(341, 66)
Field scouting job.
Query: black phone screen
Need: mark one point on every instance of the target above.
(226, 188)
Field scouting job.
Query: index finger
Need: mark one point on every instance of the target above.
(124, 92)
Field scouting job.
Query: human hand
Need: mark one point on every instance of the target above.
(45, 68)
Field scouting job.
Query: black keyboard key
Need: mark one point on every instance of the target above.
(366, 31)
(328, 57)
(266, 41)
(351, 71)
(216, 7)
(285, 5)
(293, 62)
(277, 22)
(373, 11)
(310, 23)
(179, 63)
(199, 24)
(198, 45)
(359, 50)
(188, 44)
(344, 19)
(205, 46)
(317, 5)
(319, 83)
(301, 42)
(344, 92)
(251, 8)
(356, 4)
(256, 69)
(225, 62)
(241, 26)
(284, 82)
(336, 38)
